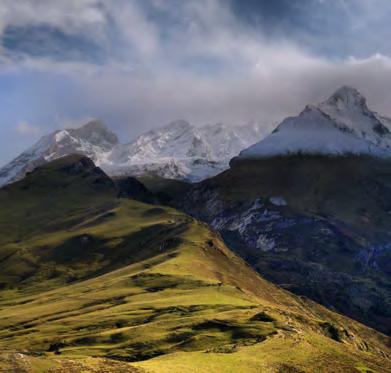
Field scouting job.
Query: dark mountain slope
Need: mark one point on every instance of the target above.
(94, 283)
(317, 224)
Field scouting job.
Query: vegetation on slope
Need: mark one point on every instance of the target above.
(92, 283)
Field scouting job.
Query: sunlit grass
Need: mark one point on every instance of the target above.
(128, 285)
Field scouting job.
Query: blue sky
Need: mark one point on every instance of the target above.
(138, 64)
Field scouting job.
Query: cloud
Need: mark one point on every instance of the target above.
(278, 84)
(142, 63)
(71, 16)
(27, 129)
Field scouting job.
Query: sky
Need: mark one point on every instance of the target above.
(140, 64)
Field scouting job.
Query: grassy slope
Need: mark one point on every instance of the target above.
(120, 286)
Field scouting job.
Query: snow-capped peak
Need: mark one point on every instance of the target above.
(180, 150)
(342, 124)
(176, 150)
(92, 139)
(177, 125)
(346, 97)
(96, 133)
(348, 108)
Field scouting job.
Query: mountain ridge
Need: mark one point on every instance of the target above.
(95, 283)
(341, 125)
(177, 150)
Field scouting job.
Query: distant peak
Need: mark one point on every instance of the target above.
(215, 127)
(347, 92)
(95, 125)
(180, 123)
(346, 96)
(96, 131)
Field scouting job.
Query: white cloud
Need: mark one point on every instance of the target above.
(27, 129)
(199, 63)
(68, 15)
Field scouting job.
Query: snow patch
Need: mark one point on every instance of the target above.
(61, 135)
(342, 125)
(264, 243)
(278, 201)
(176, 151)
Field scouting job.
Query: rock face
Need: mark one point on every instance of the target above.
(326, 234)
(176, 151)
(316, 223)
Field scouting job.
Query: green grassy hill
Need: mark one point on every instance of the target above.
(92, 283)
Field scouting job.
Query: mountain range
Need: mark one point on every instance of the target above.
(91, 282)
(277, 262)
(309, 207)
(176, 151)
